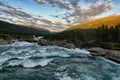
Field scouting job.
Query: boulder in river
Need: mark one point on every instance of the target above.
(98, 51)
(109, 54)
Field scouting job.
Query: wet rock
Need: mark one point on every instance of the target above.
(3, 42)
(98, 51)
(56, 43)
(68, 45)
(114, 55)
(109, 54)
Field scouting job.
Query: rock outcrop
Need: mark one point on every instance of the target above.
(3, 42)
(56, 43)
(109, 54)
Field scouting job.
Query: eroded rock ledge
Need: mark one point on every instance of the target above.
(109, 54)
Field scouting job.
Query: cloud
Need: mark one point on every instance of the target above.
(15, 12)
(71, 13)
(81, 13)
(74, 3)
(51, 22)
(61, 4)
(18, 16)
(12, 10)
(77, 12)
(64, 12)
(93, 10)
(40, 1)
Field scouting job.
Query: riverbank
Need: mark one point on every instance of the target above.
(108, 54)
(113, 55)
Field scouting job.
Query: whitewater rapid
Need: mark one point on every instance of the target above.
(29, 61)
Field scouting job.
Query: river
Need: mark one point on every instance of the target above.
(29, 61)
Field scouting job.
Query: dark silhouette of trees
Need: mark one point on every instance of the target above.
(105, 34)
(96, 36)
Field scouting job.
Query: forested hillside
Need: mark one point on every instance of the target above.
(97, 22)
(19, 29)
(108, 37)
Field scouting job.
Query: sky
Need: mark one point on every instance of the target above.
(56, 15)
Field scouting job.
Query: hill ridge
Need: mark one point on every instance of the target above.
(97, 22)
(14, 28)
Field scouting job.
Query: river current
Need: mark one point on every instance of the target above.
(29, 61)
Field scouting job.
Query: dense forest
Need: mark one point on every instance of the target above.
(102, 36)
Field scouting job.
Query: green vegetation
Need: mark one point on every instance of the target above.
(104, 36)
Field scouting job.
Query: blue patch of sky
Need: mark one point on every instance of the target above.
(46, 10)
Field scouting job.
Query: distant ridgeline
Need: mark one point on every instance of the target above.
(6, 27)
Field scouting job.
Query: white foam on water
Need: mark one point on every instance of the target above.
(15, 63)
(63, 76)
(66, 78)
(29, 63)
(54, 54)
(80, 51)
(32, 63)
(45, 62)
(88, 78)
(107, 60)
(31, 51)
(42, 51)
(11, 51)
(3, 53)
(23, 43)
(76, 50)
(115, 78)
(4, 58)
(45, 51)
(23, 57)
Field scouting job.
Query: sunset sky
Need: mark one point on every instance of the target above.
(56, 14)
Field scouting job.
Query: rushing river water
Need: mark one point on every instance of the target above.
(28, 61)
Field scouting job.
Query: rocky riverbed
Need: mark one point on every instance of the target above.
(94, 51)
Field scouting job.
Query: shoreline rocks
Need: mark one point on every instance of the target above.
(57, 43)
(3, 42)
(109, 54)
(94, 51)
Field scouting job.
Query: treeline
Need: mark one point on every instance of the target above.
(105, 34)
(98, 36)
(73, 35)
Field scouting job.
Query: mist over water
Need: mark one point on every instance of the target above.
(29, 61)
